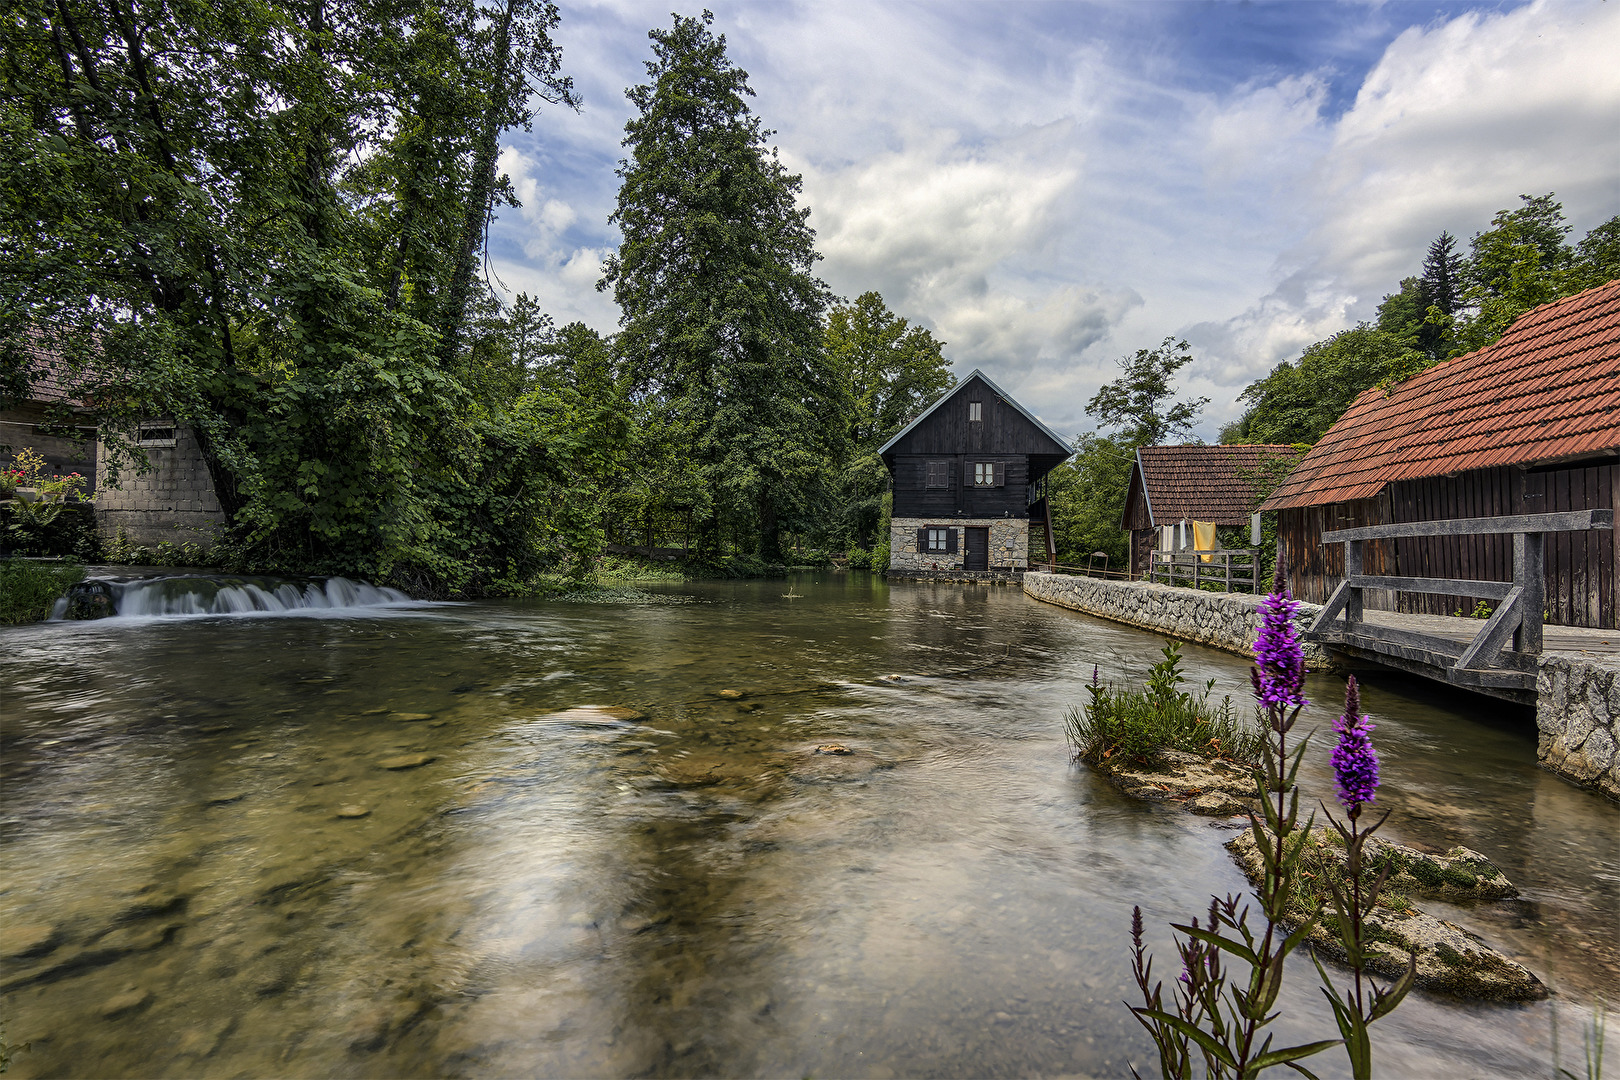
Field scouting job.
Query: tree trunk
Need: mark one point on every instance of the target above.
(482, 190)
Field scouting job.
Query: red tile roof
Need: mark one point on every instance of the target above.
(1548, 390)
(1222, 484)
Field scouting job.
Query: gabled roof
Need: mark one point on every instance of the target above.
(1222, 484)
(953, 391)
(1548, 390)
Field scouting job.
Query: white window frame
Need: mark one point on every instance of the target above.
(938, 540)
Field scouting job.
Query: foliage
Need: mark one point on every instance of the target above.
(1457, 304)
(1141, 400)
(721, 313)
(891, 371)
(1218, 1014)
(28, 589)
(262, 222)
(1133, 725)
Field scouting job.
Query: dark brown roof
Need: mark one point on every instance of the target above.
(50, 378)
(1222, 484)
(1548, 390)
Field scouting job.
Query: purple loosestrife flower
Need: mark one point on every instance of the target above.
(1280, 674)
(1355, 764)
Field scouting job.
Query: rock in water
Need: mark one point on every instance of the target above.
(352, 812)
(410, 716)
(731, 695)
(90, 600)
(20, 939)
(127, 1002)
(1450, 958)
(405, 761)
(833, 748)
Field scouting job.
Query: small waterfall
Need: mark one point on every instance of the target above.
(198, 594)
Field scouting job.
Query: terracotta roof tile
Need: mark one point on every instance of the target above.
(1221, 484)
(1548, 390)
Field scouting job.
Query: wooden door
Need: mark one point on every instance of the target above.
(976, 555)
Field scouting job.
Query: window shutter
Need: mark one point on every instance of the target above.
(922, 541)
(950, 541)
(1001, 474)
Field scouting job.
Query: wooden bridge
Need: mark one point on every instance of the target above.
(1498, 657)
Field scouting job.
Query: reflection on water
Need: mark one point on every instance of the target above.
(401, 842)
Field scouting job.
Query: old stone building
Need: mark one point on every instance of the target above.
(967, 482)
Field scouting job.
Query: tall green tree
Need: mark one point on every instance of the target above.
(720, 308)
(233, 215)
(891, 371)
(1142, 401)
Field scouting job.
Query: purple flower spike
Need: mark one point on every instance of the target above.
(1355, 763)
(1280, 677)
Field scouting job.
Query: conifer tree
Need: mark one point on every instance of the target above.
(720, 309)
(1442, 273)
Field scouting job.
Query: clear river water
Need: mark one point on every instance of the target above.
(534, 839)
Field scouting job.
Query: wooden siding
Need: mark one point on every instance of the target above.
(947, 431)
(913, 498)
(1580, 567)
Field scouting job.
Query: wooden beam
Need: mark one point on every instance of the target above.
(1566, 521)
(1496, 590)
(1330, 610)
(1497, 632)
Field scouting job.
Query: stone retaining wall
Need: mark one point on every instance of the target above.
(1578, 715)
(1226, 621)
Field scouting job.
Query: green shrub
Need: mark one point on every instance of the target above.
(1131, 725)
(29, 589)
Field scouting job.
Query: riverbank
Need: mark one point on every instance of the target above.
(1225, 621)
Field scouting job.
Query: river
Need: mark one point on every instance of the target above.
(676, 883)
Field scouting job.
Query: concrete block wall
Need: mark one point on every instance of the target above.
(173, 502)
(1009, 543)
(1578, 718)
(1227, 621)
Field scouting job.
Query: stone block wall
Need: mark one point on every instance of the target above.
(1228, 621)
(173, 502)
(1009, 543)
(1578, 717)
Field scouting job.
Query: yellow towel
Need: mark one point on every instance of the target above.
(1204, 539)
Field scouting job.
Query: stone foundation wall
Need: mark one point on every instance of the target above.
(173, 502)
(1009, 544)
(1227, 621)
(1578, 716)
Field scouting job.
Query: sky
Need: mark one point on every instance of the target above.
(1049, 187)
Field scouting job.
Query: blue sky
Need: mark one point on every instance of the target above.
(1051, 186)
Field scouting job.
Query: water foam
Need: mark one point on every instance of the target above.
(198, 594)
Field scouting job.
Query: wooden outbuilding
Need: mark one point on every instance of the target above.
(1222, 485)
(1527, 425)
(967, 477)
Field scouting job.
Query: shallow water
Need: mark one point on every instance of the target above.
(694, 892)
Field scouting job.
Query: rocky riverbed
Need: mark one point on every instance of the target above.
(1450, 958)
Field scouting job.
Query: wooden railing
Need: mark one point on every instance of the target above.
(1517, 618)
(1228, 568)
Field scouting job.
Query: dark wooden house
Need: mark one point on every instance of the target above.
(1168, 485)
(1528, 425)
(967, 477)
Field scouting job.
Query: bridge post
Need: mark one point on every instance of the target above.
(1528, 575)
(1352, 569)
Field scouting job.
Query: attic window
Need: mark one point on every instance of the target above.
(975, 411)
(157, 433)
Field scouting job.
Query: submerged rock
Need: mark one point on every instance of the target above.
(27, 939)
(352, 811)
(127, 1002)
(833, 748)
(1450, 958)
(405, 761)
(731, 695)
(602, 715)
(90, 600)
(408, 717)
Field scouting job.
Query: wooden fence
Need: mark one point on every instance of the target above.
(1232, 570)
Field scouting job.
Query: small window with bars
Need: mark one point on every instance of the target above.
(155, 433)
